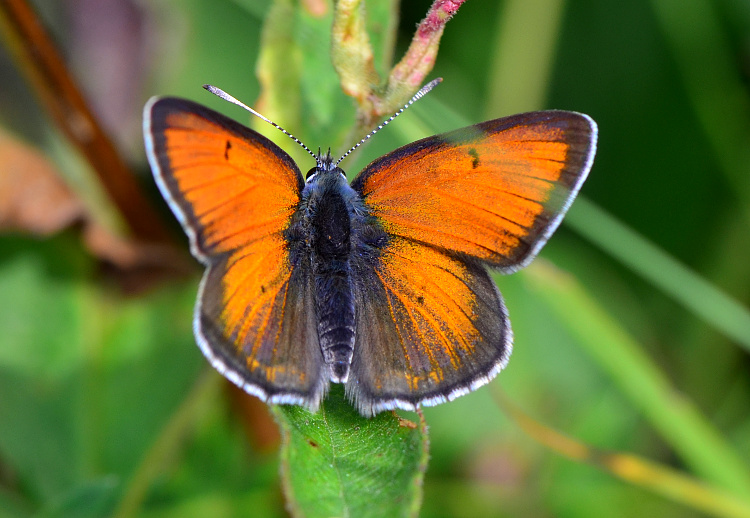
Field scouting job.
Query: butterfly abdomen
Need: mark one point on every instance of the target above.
(329, 228)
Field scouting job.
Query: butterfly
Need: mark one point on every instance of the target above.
(382, 284)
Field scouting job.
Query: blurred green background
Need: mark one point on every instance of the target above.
(105, 400)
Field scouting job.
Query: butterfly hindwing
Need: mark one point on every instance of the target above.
(235, 193)
(495, 191)
(262, 328)
(430, 327)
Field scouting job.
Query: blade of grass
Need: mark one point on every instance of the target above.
(649, 475)
(713, 83)
(651, 263)
(677, 420)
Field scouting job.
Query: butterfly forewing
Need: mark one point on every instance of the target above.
(235, 192)
(227, 184)
(494, 191)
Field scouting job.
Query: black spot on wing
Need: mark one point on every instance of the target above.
(474, 158)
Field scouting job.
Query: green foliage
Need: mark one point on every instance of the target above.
(78, 362)
(335, 461)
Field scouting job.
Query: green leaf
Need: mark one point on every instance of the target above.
(335, 461)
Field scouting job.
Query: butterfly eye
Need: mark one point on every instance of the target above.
(311, 172)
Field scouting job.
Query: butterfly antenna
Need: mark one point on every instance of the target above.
(221, 93)
(421, 93)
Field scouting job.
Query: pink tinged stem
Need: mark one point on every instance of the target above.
(419, 59)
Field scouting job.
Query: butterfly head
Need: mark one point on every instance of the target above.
(324, 164)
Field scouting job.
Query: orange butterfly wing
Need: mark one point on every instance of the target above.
(495, 191)
(235, 192)
(431, 324)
